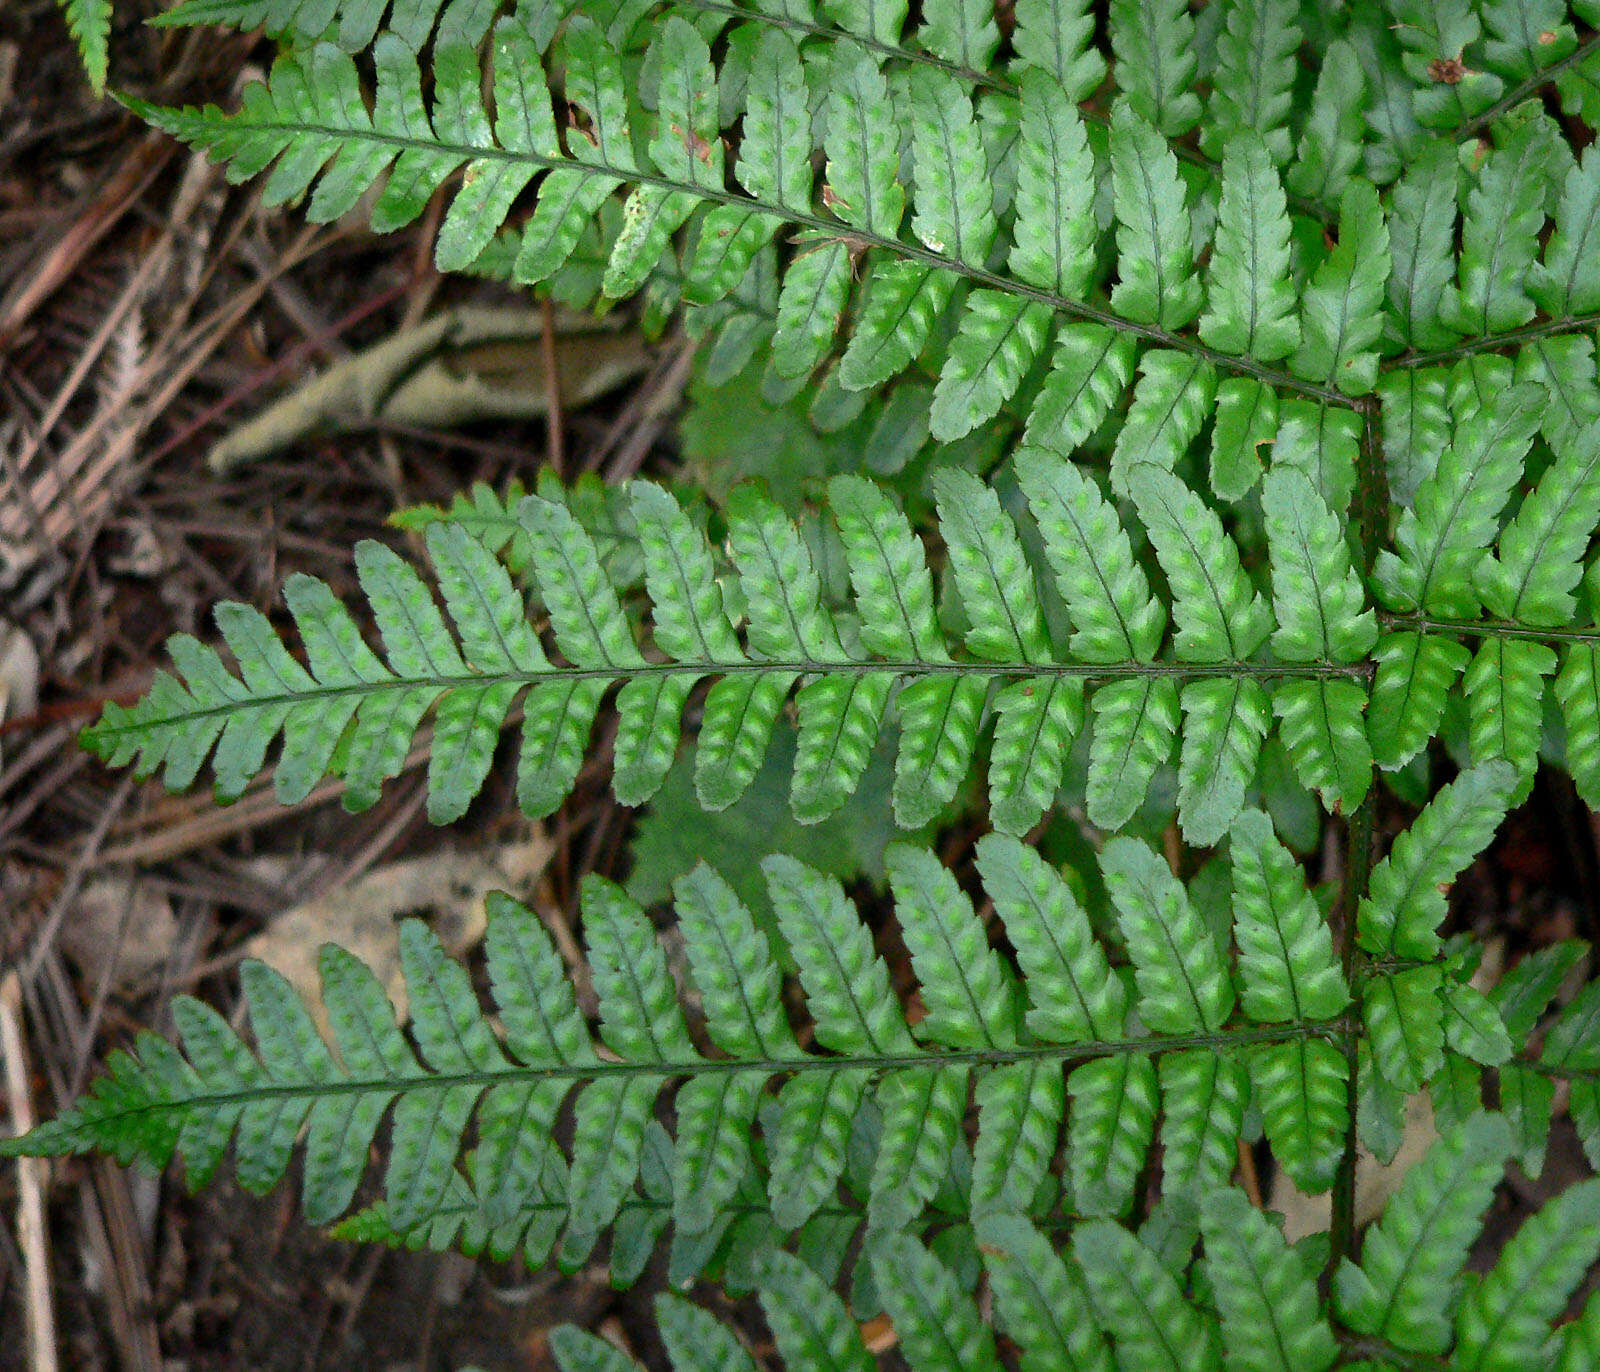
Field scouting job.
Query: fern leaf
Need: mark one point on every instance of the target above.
(1505, 1320)
(1170, 403)
(1224, 724)
(1566, 282)
(1439, 31)
(922, 1113)
(1329, 149)
(1040, 1302)
(1524, 993)
(1109, 1129)
(1301, 1089)
(839, 723)
(809, 1323)
(1183, 987)
(996, 343)
(1443, 537)
(1577, 688)
(1154, 45)
(1114, 616)
(1541, 550)
(1320, 442)
(1323, 728)
(695, 1339)
(1573, 1044)
(1252, 84)
(938, 731)
(1405, 905)
(1019, 1122)
(846, 983)
(810, 302)
(1217, 613)
(1054, 238)
(1089, 371)
(1341, 307)
(879, 20)
(1472, 1025)
(1504, 686)
(807, 1157)
(894, 593)
(733, 968)
(1412, 1258)
(970, 1002)
(962, 32)
(1203, 1096)
(863, 152)
(1422, 226)
(1249, 291)
(90, 24)
(1404, 1020)
(1500, 231)
(1072, 994)
(1134, 725)
(1246, 421)
(1415, 671)
(1416, 428)
(1270, 1316)
(903, 301)
(937, 1322)
(1316, 598)
(954, 211)
(1141, 1305)
(1565, 367)
(1524, 36)
(577, 1351)
(1155, 263)
(1286, 963)
(1057, 37)
(775, 152)
(991, 571)
(1036, 721)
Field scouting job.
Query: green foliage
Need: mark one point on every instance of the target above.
(90, 24)
(344, 713)
(1209, 453)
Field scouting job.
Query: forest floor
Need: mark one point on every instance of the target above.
(147, 308)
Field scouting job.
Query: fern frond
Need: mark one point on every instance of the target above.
(1267, 1299)
(1405, 903)
(1140, 1304)
(1250, 291)
(1412, 1259)
(454, 1072)
(1499, 236)
(350, 712)
(1329, 149)
(1566, 282)
(1341, 307)
(1154, 44)
(1251, 84)
(1435, 36)
(1445, 535)
(90, 24)
(353, 25)
(1155, 263)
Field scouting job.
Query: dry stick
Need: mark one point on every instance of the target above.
(106, 207)
(30, 1187)
(132, 294)
(641, 419)
(555, 421)
(82, 864)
